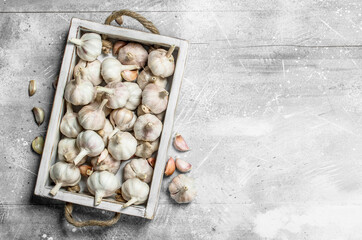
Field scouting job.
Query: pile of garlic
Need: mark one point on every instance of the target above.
(122, 102)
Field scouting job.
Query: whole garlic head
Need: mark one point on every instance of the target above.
(102, 184)
(138, 168)
(155, 98)
(135, 192)
(146, 149)
(89, 46)
(147, 127)
(135, 93)
(182, 189)
(111, 70)
(79, 91)
(91, 117)
(147, 77)
(98, 101)
(105, 162)
(68, 150)
(122, 146)
(92, 71)
(116, 93)
(89, 144)
(161, 62)
(106, 131)
(123, 119)
(133, 53)
(69, 125)
(63, 175)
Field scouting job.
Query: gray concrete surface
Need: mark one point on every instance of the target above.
(271, 106)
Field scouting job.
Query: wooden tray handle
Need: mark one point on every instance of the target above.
(124, 12)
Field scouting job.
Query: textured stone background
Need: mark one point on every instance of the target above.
(271, 105)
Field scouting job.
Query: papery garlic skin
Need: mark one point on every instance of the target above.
(92, 71)
(155, 98)
(123, 119)
(138, 168)
(90, 144)
(111, 70)
(133, 53)
(146, 77)
(135, 192)
(102, 184)
(146, 149)
(106, 163)
(89, 46)
(182, 189)
(106, 131)
(147, 127)
(135, 94)
(92, 118)
(69, 125)
(79, 91)
(161, 62)
(63, 175)
(122, 146)
(68, 150)
(116, 93)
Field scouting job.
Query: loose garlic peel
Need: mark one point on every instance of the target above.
(69, 125)
(105, 162)
(90, 144)
(138, 168)
(146, 149)
(161, 62)
(182, 189)
(135, 192)
(122, 119)
(116, 93)
(92, 118)
(111, 70)
(92, 71)
(102, 184)
(68, 150)
(106, 131)
(79, 91)
(63, 175)
(147, 127)
(135, 94)
(155, 98)
(146, 77)
(89, 46)
(133, 53)
(122, 146)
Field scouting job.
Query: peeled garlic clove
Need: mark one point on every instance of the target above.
(146, 149)
(180, 144)
(39, 115)
(106, 46)
(155, 98)
(92, 118)
(147, 128)
(182, 189)
(138, 168)
(90, 144)
(38, 145)
(170, 167)
(135, 192)
(129, 75)
(135, 94)
(32, 87)
(161, 62)
(85, 170)
(102, 184)
(63, 175)
(133, 53)
(116, 93)
(69, 125)
(89, 46)
(92, 71)
(151, 161)
(118, 45)
(68, 150)
(182, 165)
(146, 77)
(105, 162)
(79, 91)
(122, 146)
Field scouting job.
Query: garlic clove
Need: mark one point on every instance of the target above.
(129, 75)
(86, 170)
(118, 45)
(106, 46)
(170, 167)
(32, 87)
(119, 20)
(39, 115)
(38, 145)
(142, 109)
(182, 165)
(180, 144)
(151, 161)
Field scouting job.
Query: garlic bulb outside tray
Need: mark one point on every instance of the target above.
(182, 189)
(64, 175)
(102, 184)
(135, 192)
(138, 168)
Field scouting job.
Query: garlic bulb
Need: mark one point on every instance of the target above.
(89, 46)
(116, 93)
(89, 144)
(79, 91)
(68, 150)
(102, 184)
(92, 118)
(138, 168)
(133, 53)
(146, 149)
(111, 70)
(155, 98)
(105, 162)
(161, 62)
(92, 71)
(147, 77)
(147, 127)
(98, 101)
(122, 119)
(135, 93)
(63, 175)
(117, 46)
(106, 131)
(182, 189)
(135, 192)
(69, 125)
(122, 146)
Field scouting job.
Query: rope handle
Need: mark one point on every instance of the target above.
(124, 12)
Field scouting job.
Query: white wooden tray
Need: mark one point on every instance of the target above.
(49, 157)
